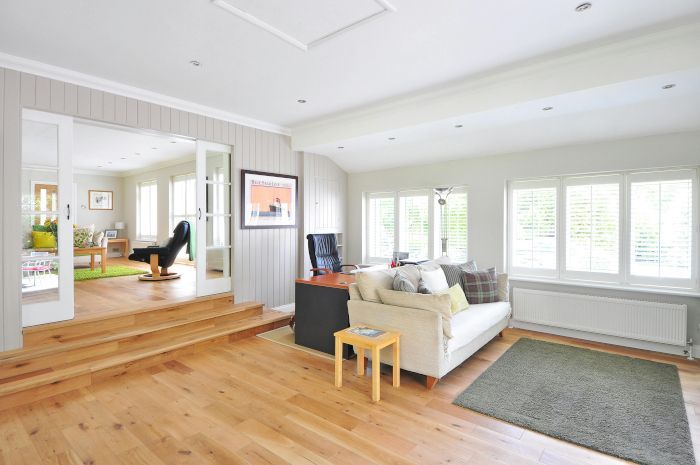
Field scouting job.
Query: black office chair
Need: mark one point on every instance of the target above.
(323, 251)
(163, 256)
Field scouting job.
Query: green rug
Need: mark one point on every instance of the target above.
(622, 406)
(112, 272)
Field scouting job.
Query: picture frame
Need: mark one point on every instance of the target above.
(268, 200)
(100, 200)
(111, 233)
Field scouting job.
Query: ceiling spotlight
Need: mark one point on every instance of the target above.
(668, 86)
(392, 138)
(459, 126)
(195, 63)
(547, 108)
(301, 100)
(341, 147)
(584, 7)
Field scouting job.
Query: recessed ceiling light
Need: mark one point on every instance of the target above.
(341, 147)
(301, 100)
(99, 166)
(392, 138)
(173, 142)
(459, 126)
(584, 7)
(123, 158)
(154, 148)
(137, 153)
(195, 63)
(547, 108)
(109, 162)
(668, 86)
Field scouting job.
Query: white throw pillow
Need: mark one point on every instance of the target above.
(438, 303)
(434, 278)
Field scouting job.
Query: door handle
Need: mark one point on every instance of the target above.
(200, 213)
(68, 216)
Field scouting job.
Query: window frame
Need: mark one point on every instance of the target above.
(173, 180)
(533, 184)
(139, 227)
(586, 180)
(433, 246)
(623, 279)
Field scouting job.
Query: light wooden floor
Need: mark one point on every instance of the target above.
(110, 295)
(257, 402)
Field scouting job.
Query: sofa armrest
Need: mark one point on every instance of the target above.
(423, 346)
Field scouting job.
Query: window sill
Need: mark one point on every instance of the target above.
(614, 287)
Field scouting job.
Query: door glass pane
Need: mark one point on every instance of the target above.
(218, 263)
(218, 199)
(218, 231)
(39, 212)
(218, 167)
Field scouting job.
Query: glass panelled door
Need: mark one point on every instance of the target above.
(47, 235)
(213, 232)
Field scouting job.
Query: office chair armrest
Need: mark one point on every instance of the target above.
(321, 270)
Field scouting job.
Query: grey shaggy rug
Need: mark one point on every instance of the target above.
(622, 406)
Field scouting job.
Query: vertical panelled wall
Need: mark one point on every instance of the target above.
(325, 200)
(265, 261)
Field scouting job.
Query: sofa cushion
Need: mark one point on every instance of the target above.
(82, 235)
(503, 287)
(434, 279)
(458, 300)
(438, 303)
(370, 281)
(481, 286)
(453, 273)
(402, 283)
(467, 326)
(43, 240)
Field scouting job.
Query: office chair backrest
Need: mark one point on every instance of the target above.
(323, 252)
(180, 238)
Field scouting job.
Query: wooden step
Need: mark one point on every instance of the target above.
(41, 357)
(100, 324)
(73, 375)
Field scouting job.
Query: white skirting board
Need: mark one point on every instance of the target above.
(289, 308)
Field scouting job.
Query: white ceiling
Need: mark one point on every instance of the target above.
(105, 150)
(417, 50)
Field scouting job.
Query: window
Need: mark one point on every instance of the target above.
(534, 227)
(409, 221)
(380, 226)
(662, 227)
(592, 224)
(414, 235)
(626, 228)
(147, 211)
(184, 199)
(455, 225)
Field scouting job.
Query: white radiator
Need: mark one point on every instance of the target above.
(634, 319)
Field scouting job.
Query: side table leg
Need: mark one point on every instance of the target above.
(397, 364)
(360, 361)
(376, 368)
(338, 362)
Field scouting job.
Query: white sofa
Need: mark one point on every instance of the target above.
(426, 346)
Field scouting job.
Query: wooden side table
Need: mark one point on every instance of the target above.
(375, 345)
(123, 242)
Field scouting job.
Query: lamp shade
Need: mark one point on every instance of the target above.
(119, 225)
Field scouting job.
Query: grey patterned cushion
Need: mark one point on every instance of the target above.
(481, 287)
(453, 273)
(422, 288)
(402, 283)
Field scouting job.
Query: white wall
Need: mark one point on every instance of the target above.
(163, 176)
(102, 219)
(325, 199)
(486, 179)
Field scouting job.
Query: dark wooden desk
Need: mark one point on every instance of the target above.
(321, 309)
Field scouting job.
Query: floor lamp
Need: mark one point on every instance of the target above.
(442, 193)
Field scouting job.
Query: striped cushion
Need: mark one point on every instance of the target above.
(481, 287)
(453, 273)
(402, 283)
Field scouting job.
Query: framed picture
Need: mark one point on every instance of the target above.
(111, 233)
(100, 200)
(268, 200)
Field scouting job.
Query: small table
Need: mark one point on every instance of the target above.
(374, 344)
(123, 243)
(78, 251)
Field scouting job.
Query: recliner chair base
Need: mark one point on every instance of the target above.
(161, 277)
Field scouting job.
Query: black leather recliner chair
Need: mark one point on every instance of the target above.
(323, 252)
(163, 256)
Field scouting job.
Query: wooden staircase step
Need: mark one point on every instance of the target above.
(44, 356)
(87, 372)
(97, 324)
